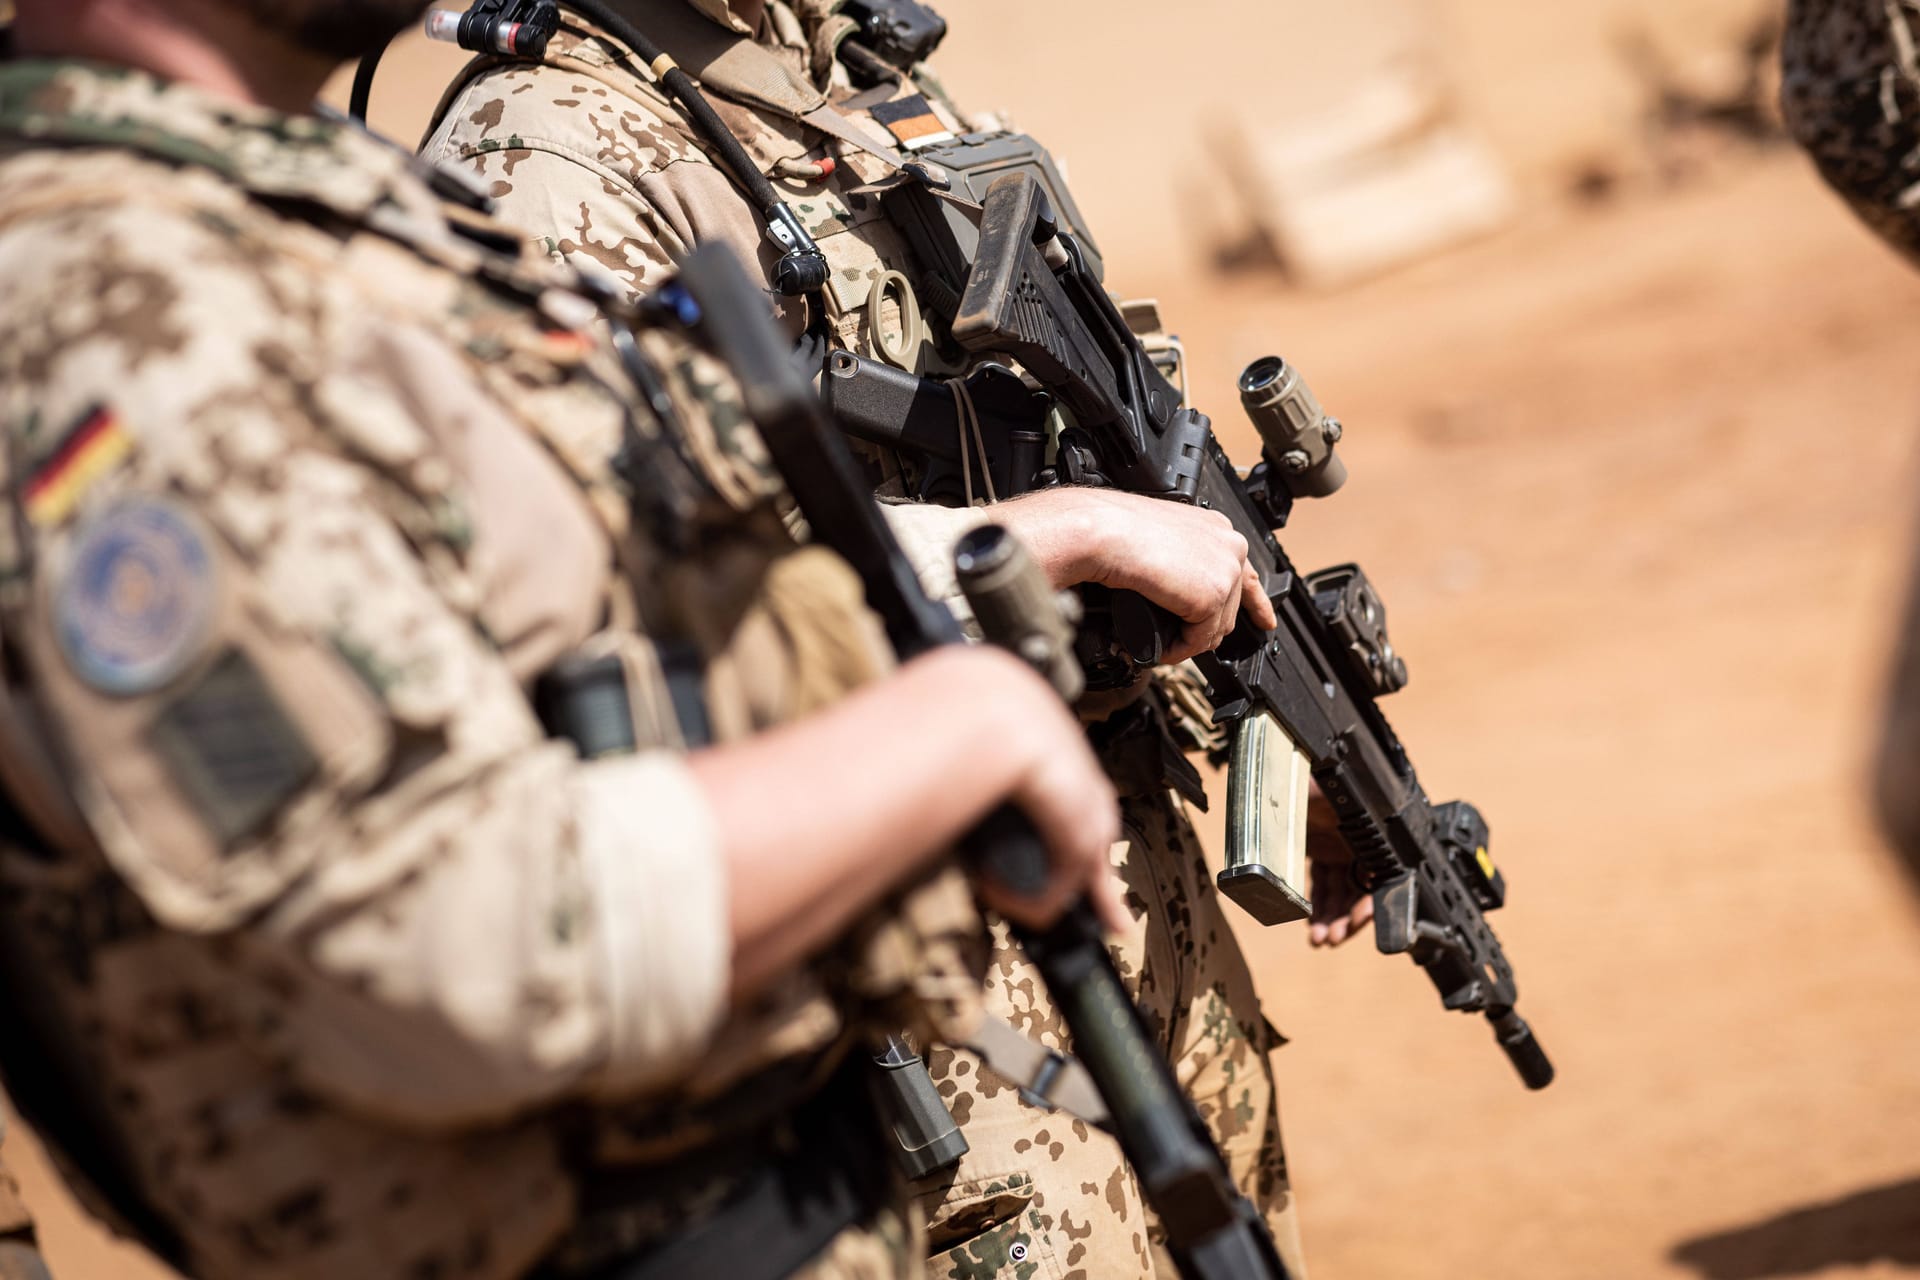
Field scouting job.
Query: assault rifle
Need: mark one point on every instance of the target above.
(1028, 293)
(1213, 1232)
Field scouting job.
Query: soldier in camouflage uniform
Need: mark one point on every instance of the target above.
(584, 149)
(307, 479)
(1850, 92)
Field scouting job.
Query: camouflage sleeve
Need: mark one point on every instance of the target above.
(1850, 93)
(927, 534)
(254, 613)
(579, 217)
(603, 181)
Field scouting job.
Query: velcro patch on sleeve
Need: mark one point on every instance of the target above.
(232, 749)
(912, 121)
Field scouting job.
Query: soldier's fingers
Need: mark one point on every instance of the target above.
(1254, 602)
(1229, 618)
(1032, 912)
(1109, 900)
(1192, 641)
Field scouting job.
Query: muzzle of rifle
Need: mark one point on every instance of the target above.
(1016, 607)
(1297, 433)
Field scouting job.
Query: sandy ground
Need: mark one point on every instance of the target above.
(1637, 484)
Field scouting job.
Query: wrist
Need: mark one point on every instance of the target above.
(1068, 532)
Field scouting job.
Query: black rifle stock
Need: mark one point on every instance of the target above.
(1031, 297)
(1213, 1231)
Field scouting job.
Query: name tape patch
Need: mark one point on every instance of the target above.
(137, 604)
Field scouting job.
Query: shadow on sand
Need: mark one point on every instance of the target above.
(1881, 1224)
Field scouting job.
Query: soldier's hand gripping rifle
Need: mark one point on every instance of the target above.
(1213, 1232)
(1031, 295)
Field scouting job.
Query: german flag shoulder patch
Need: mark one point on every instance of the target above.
(92, 449)
(912, 121)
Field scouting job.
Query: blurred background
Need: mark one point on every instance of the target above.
(1631, 405)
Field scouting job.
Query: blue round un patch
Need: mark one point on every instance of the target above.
(139, 597)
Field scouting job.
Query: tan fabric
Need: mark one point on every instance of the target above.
(894, 1247)
(350, 933)
(741, 16)
(928, 535)
(568, 169)
(721, 61)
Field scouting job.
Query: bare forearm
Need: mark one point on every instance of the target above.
(819, 819)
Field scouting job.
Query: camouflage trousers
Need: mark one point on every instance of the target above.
(893, 1246)
(1044, 1196)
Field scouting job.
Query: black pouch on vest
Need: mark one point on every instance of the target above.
(585, 700)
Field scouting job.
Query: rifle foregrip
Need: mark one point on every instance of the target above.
(1523, 1049)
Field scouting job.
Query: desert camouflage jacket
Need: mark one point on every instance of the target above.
(592, 157)
(305, 481)
(587, 153)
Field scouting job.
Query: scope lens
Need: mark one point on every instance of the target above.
(1263, 373)
(982, 549)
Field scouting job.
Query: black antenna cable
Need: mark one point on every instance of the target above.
(363, 82)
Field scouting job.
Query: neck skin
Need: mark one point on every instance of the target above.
(199, 42)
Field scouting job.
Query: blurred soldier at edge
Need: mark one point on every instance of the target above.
(309, 479)
(19, 1249)
(587, 151)
(1850, 91)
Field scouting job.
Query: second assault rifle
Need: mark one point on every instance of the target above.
(1030, 294)
(1213, 1232)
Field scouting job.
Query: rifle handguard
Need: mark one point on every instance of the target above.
(1017, 608)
